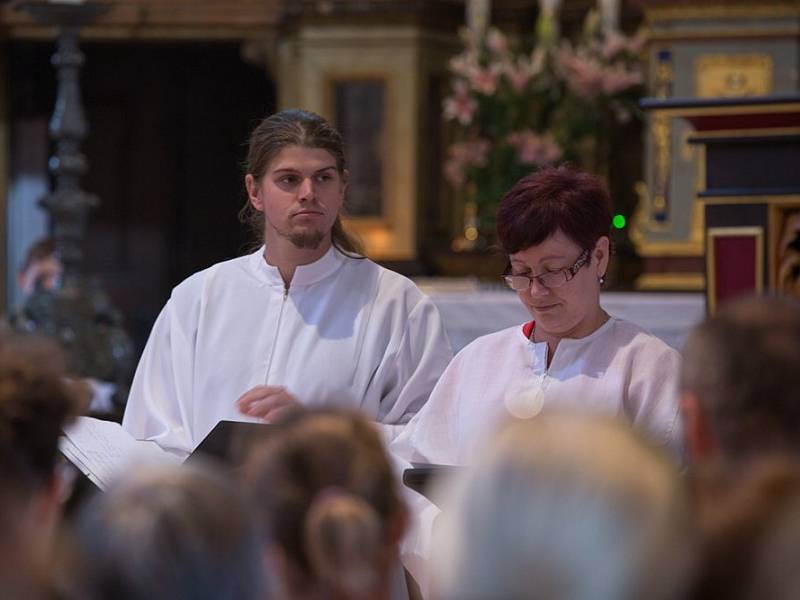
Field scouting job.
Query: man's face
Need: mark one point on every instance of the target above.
(300, 195)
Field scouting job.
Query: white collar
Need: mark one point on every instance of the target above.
(308, 274)
(600, 331)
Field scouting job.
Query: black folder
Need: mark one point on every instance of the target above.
(421, 476)
(229, 442)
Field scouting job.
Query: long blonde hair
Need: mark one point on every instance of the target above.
(565, 507)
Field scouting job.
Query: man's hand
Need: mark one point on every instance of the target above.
(266, 402)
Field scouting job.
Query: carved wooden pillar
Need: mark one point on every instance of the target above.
(4, 178)
(68, 204)
(80, 318)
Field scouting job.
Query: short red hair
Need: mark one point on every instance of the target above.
(550, 199)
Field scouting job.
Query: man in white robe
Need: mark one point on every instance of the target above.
(303, 320)
(346, 333)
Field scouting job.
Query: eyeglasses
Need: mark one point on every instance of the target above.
(550, 279)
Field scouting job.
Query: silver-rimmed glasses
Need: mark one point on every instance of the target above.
(550, 279)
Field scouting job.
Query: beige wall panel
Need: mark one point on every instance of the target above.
(318, 57)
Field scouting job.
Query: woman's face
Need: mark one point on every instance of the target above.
(573, 308)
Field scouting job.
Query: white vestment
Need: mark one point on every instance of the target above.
(346, 333)
(618, 370)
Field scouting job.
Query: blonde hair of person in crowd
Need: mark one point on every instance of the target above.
(36, 401)
(564, 507)
(169, 532)
(326, 496)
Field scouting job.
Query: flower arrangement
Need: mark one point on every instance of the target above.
(518, 106)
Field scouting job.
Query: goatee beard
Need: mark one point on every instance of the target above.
(307, 240)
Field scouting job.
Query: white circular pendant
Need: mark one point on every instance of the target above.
(525, 401)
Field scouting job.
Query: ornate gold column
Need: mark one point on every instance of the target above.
(704, 50)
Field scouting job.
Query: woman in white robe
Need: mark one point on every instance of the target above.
(554, 227)
(303, 320)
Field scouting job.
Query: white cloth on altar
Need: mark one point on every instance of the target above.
(471, 309)
(346, 333)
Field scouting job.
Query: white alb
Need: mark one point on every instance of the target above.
(618, 370)
(345, 333)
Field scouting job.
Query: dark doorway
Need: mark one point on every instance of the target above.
(169, 124)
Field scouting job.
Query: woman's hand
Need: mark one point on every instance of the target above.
(266, 402)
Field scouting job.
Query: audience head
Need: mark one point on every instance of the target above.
(741, 382)
(776, 568)
(326, 495)
(565, 507)
(554, 226)
(169, 532)
(35, 403)
(750, 529)
(286, 129)
(41, 268)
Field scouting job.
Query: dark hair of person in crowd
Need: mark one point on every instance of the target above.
(551, 199)
(169, 532)
(750, 531)
(36, 402)
(740, 381)
(776, 568)
(326, 496)
(294, 127)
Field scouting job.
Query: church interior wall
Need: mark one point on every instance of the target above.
(162, 115)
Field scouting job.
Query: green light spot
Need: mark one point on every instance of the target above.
(619, 221)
